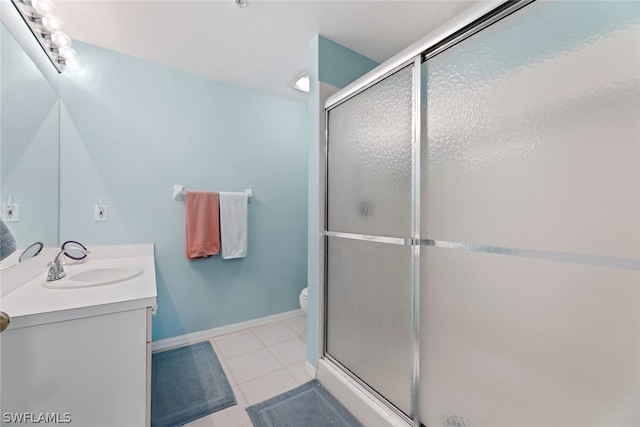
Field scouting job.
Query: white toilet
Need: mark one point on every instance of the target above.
(304, 298)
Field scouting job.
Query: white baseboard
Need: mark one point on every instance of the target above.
(210, 333)
(308, 367)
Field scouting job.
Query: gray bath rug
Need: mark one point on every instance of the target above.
(309, 405)
(187, 383)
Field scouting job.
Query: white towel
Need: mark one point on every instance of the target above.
(233, 225)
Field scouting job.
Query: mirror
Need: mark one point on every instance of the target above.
(29, 148)
(74, 250)
(31, 251)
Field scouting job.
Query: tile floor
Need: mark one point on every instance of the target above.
(260, 363)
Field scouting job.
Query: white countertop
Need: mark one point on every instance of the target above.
(33, 304)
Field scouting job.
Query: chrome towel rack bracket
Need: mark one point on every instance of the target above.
(179, 193)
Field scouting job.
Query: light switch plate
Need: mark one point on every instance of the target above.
(101, 213)
(11, 215)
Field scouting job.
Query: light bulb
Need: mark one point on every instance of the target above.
(43, 7)
(61, 39)
(71, 63)
(67, 53)
(52, 23)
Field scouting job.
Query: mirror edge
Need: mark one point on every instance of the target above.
(11, 18)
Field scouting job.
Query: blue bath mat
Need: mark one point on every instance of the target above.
(187, 383)
(309, 405)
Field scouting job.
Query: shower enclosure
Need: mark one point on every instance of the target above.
(482, 237)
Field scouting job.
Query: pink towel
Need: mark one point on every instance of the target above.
(203, 224)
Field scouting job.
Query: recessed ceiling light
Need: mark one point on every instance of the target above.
(302, 82)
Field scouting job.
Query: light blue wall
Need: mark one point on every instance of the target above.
(331, 67)
(131, 129)
(340, 66)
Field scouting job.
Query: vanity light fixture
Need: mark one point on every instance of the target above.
(47, 28)
(302, 82)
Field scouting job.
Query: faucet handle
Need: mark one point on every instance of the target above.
(56, 271)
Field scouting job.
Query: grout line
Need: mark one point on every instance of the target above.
(246, 352)
(295, 381)
(291, 329)
(250, 352)
(244, 398)
(275, 343)
(233, 334)
(307, 376)
(265, 327)
(264, 374)
(261, 376)
(276, 357)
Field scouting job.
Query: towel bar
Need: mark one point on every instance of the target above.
(179, 192)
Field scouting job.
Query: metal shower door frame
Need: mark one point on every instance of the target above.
(464, 26)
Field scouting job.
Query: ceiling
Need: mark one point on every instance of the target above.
(262, 46)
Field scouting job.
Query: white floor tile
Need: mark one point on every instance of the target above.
(252, 365)
(256, 372)
(202, 422)
(238, 343)
(262, 388)
(234, 416)
(290, 352)
(274, 334)
(298, 324)
(299, 373)
(237, 417)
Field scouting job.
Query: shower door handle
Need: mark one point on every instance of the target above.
(4, 320)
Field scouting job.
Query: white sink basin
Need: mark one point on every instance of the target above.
(96, 276)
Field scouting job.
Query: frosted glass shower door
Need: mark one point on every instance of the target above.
(530, 281)
(368, 310)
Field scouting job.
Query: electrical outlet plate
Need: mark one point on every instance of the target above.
(101, 213)
(11, 215)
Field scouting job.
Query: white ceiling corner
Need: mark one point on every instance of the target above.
(262, 46)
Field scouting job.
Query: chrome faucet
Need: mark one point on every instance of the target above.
(56, 272)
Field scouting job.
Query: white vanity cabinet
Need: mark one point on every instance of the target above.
(84, 366)
(94, 369)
